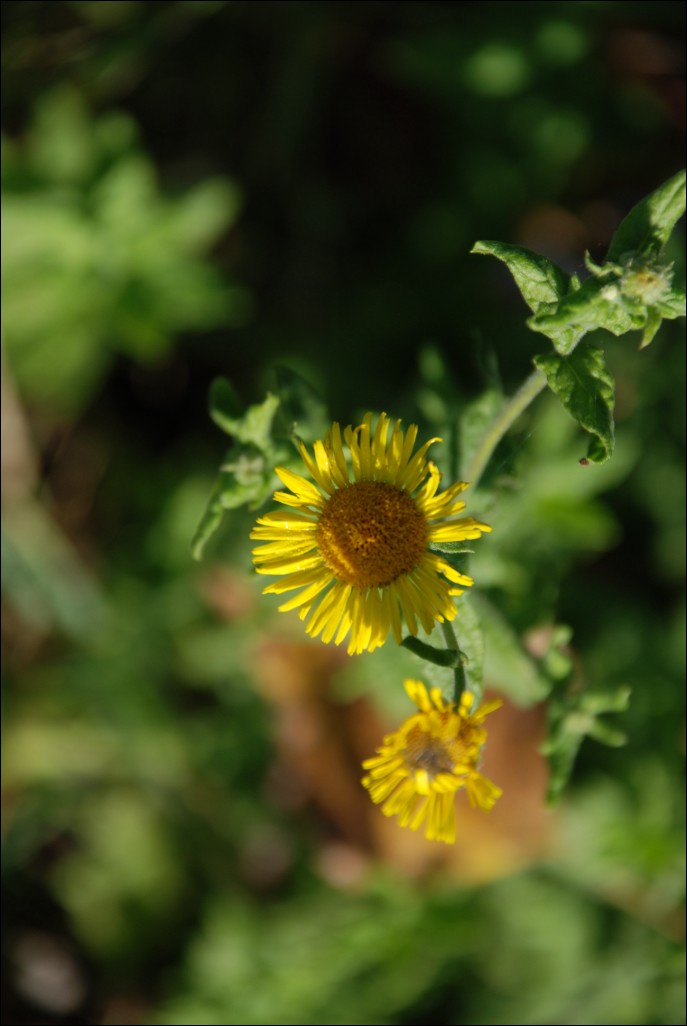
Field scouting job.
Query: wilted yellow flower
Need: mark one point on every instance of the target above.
(356, 542)
(435, 753)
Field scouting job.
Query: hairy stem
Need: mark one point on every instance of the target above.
(516, 405)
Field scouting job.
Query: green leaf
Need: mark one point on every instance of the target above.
(303, 411)
(254, 427)
(468, 627)
(647, 227)
(202, 215)
(540, 281)
(653, 323)
(543, 286)
(596, 304)
(573, 716)
(586, 390)
(507, 666)
(226, 409)
(245, 480)
(246, 476)
(673, 305)
(629, 291)
(209, 523)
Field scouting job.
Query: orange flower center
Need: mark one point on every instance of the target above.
(369, 533)
(437, 744)
(432, 754)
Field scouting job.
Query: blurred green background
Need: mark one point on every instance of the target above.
(201, 188)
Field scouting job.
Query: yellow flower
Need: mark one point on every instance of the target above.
(356, 542)
(435, 753)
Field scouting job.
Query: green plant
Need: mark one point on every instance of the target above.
(96, 260)
(632, 290)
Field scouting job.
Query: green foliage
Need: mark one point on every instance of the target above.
(587, 391)
(175, 842)
(633, 289)
(471, 634)
(574, 715)
(542, 284)
(507, 665)
(260, 443)
(247, 474)
(302, 411)
(118, 266)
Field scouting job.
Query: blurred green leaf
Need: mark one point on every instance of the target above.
(303, 412)
(469, 628)
(573, 716)
(226, 409)
(118, 265)
(587, 391)
(247, 473)
(202, 214)
(629, 291)
(254, 427)
(673, 305)
(246, 479)
(507, 666)
(43, 576)
(62, 146)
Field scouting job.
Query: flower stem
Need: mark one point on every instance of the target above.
(516, 405)
(459, 670)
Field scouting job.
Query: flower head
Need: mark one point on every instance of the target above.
(435, 753)
(356, 541)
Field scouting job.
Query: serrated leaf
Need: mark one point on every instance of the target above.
(539, 280)
(543, 286)
(303, 411)
(586, 390)
(647, 227)
(596, 304)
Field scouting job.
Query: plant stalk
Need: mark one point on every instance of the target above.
(516, 405)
